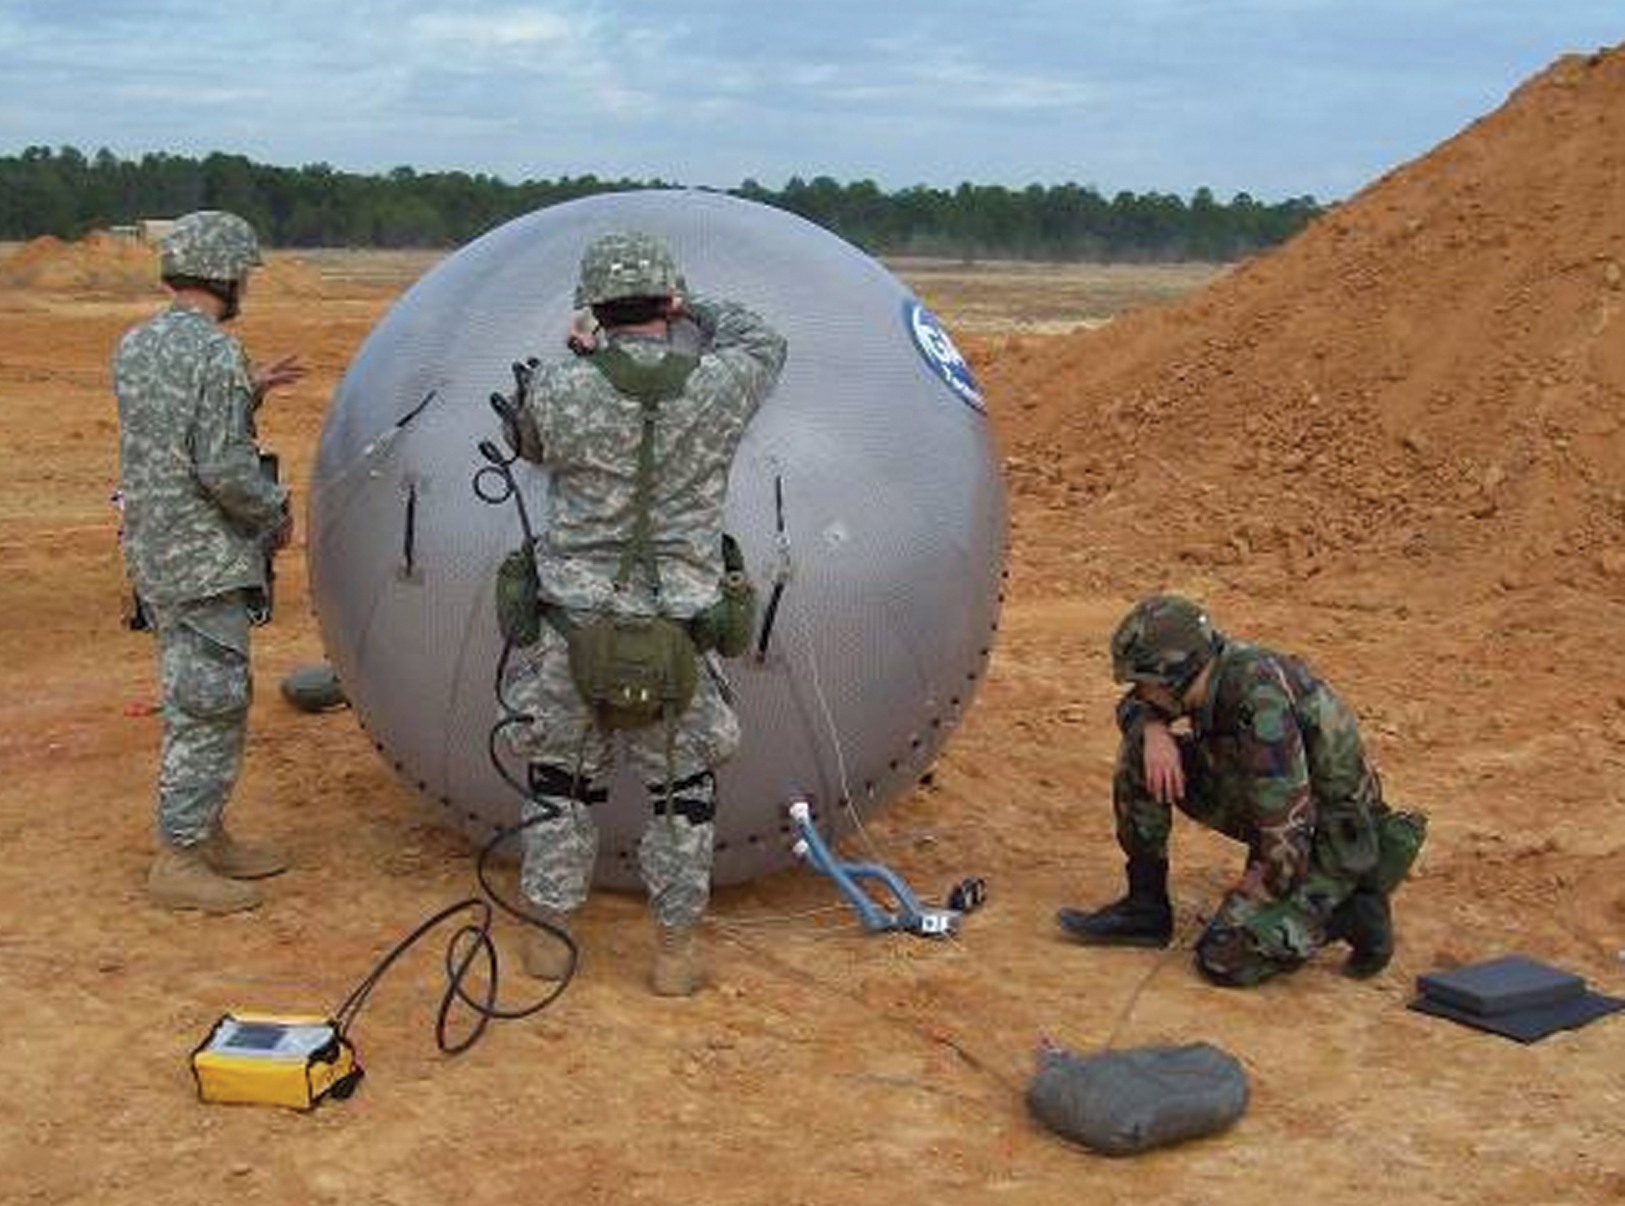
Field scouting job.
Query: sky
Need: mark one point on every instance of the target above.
(1276, 98)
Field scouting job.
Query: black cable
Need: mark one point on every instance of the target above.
(466, 944)
(472, 940)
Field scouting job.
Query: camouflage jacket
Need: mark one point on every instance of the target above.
(197, 510)
(1277, 744)
(573, 421)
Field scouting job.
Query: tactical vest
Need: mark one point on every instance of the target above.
(633, 671)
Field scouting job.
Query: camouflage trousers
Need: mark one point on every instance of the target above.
(206, 687)
(1250, 939)
(563, 742)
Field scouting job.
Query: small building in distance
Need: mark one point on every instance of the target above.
(150, 230)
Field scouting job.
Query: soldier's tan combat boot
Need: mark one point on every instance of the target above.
(543, 955)
(182, 879)
(677, 970)
(238, 860)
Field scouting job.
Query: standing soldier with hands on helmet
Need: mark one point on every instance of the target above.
(199, 515)
(638, 586)
(1273, 759)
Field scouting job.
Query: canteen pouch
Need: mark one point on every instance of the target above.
(518, 598)
(1346, 840)
(728, 625)
(1401, 835)
(633, 670)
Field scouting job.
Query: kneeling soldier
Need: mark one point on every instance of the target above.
(1273, 759)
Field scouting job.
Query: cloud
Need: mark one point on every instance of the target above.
(501, 29)
(181, 93)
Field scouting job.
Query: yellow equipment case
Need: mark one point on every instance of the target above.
(269, 1059)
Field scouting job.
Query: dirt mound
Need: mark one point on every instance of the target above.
(1434, 372)
(108, 264)
(98, 263)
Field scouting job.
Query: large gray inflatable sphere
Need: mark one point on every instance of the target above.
(866, 490)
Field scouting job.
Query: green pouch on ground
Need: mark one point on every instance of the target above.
(632, 670)
(519, 590)
(1401, 835)
(728, 624)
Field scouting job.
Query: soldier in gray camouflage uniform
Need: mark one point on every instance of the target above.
(1273, 759)
(198, 519)
(585, 423)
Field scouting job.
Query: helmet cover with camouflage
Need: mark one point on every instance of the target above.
(627, 264)
(1165, 640)
(209, 245)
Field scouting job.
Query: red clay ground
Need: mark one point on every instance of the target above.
(1396, 446)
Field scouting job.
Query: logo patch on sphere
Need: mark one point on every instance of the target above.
(940, 355)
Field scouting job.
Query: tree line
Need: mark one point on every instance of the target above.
(63, 192)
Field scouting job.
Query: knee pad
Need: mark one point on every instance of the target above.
(560, 784)
(694, 798)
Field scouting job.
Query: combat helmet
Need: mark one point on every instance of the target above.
(209, 245)
(627, 264)
(1165, 640)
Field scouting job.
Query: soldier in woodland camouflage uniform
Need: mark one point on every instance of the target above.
(1273, 759)
(198, 519)
(581, 418)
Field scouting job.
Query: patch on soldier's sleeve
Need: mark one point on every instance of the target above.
(1268, 718)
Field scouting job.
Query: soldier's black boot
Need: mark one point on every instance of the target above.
(1145, 917)
(1366, 922)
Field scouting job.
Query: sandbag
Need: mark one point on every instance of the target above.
(314, 689)
(1122, 1102)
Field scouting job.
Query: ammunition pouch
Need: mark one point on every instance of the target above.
(1346, 840)
(633, 671)
(518, 598)
(728, 625)
(1373, 847)
(1401, 835)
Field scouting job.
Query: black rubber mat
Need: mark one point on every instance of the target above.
(1527, 1025)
